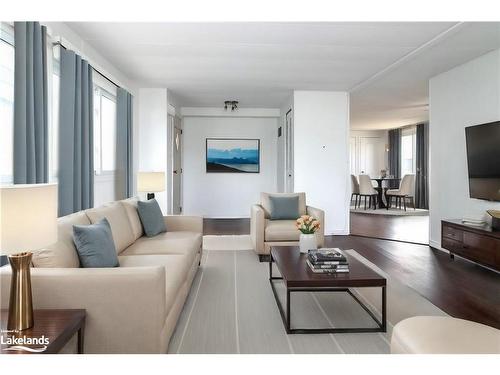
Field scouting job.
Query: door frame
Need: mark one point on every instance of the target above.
(171, 126)
(289, 152)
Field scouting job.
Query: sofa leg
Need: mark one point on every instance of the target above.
(264, 258)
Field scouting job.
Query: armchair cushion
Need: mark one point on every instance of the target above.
(281, 230)
(284, 208)
(266, 203)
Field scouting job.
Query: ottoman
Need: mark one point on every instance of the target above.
(443, 335)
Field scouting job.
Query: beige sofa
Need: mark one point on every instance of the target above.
(266, 232)
(132, 308)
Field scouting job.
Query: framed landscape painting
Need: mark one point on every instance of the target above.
(226, 155)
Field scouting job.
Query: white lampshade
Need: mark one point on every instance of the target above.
(150, 182)
(28, 217)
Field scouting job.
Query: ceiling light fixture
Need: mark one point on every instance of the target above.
(230, 103)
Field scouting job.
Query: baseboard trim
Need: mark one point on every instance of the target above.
(337, 232)
(226, 217)
(436, 245)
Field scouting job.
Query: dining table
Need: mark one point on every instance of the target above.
(380, 189)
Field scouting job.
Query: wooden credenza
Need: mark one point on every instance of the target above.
(478, 244)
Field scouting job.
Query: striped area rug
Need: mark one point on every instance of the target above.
(231, 309)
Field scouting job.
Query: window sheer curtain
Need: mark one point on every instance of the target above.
(76, 138)
(422, 165)
(395, 155)
(124, 145)
(31, 143)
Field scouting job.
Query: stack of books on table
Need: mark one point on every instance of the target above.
(327, 260)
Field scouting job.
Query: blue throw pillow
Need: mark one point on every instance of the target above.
(151, 217)
(95, 246)
(284, 208)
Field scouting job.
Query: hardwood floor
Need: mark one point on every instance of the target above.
(399, 228)
(226, 226)
(461, 288)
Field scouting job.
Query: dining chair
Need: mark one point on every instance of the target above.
(404, 192)
(355, 191)
(366, 189)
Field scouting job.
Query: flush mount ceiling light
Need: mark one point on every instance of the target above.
(231, 103)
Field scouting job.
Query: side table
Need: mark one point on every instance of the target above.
(52, 330)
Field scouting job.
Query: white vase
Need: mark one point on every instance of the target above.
(307, 242)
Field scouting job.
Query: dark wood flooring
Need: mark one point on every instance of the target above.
(461, 288)
(399, 228)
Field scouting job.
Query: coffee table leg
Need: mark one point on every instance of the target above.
(80, 338)
(384, 309)
(288, 318)
(270, 267)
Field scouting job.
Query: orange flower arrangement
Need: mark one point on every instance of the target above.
(307, 224)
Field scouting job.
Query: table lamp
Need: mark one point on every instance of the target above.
(28, 221)
(150, 182)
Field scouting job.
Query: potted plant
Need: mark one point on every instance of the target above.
(307, 225)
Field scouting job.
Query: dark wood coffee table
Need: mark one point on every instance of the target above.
(298, 277)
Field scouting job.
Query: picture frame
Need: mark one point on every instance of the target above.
(232, 155)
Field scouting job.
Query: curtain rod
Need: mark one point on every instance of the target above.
(58, 43)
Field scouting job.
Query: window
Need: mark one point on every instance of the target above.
(6, 104)
(408, 151)
(104, 131)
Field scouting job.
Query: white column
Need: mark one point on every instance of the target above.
(321, 154)
(153, 112)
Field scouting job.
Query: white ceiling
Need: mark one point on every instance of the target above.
(385, 65)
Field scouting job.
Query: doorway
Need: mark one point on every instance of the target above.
(369, 155)
(175, 165)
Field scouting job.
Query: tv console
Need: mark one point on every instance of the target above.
(480, 244)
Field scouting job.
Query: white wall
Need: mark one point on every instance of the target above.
(226, 194)
(153, 112)
(321, 154)
(464, 96)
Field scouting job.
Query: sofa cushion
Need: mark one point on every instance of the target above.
(95, 245)
(62, 254)
(281, 230)
(167, 243)
(130, 205)
(177, 267)
(284, 208)
(266, 203)
(151, 217)
(118, 220)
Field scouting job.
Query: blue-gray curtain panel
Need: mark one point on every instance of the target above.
(76, 138)
(422, 165)
(395, 154)
(124, 145)
(30, 104)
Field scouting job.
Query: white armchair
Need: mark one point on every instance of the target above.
(266, 232)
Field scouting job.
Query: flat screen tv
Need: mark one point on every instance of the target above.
(483, 160)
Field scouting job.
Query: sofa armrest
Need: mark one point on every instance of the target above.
(257, 227)
(177, 223)
(319, 215)
(126, 306)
